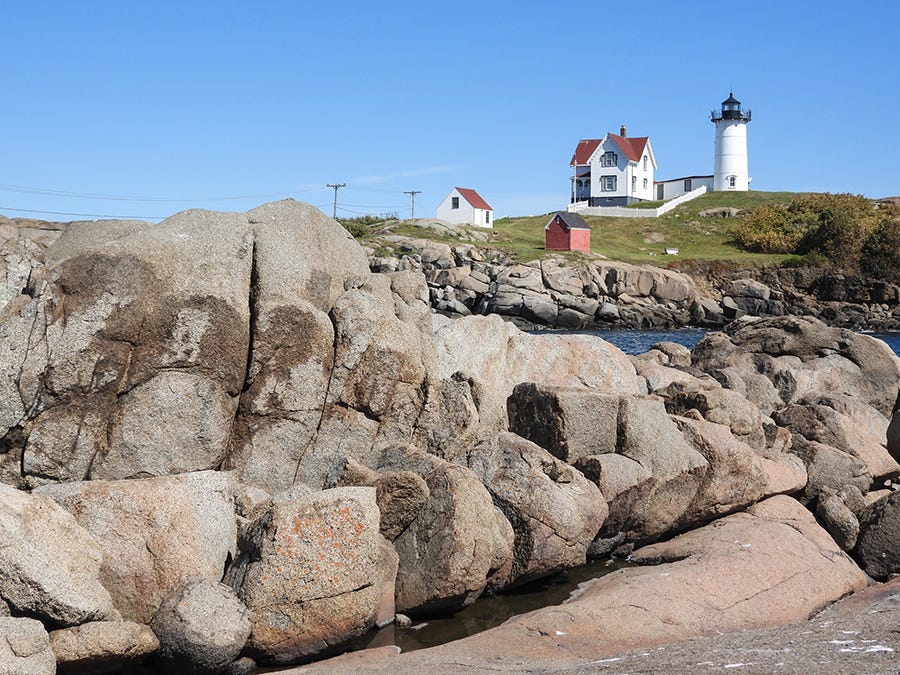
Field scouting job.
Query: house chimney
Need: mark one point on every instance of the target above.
(622, 131)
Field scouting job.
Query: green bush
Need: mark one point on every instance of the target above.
(833, 227)
(881, 250)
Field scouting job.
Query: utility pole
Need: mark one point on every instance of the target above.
(413, 193)
(336, 187)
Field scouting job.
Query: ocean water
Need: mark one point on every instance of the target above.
(639, 341)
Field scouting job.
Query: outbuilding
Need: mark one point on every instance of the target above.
(464, 206)
(567, 232)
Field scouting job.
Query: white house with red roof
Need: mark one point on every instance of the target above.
(466, 207)
(613, 171)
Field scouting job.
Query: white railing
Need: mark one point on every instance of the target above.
(623, 212)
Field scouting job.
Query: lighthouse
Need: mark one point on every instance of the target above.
(730, 171)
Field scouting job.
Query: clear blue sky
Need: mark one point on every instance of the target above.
(191, 104)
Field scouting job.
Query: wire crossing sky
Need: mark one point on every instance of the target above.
(116, 109)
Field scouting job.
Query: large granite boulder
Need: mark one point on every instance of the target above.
(496, 356)
(154, 533)
(50, 566)
(310, 572)
(102, 647)
(451, 539)
(554, 510)
(569, 423)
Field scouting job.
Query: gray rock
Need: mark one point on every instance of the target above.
(554, 510)
(102, 647)
(625, 485)
(748, 288)
(50, 566)
(202, 626)
(838, 519)
(734, 478)
(650, 437)
(876, 547)
(456, 544)
(154, 533)
(828, 467)
(826, 425)
(568, 423)
(25, 647)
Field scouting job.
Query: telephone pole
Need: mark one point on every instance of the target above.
(413, 193)
(336, 187)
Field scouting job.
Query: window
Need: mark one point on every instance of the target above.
(732, 181)
(609, 159)
(454, 202)
(634, 183)
(645, 162)
(645, 183)
(487, 217)
(608, 183)
(687, 185)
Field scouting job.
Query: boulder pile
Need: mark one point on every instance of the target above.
(230, 415)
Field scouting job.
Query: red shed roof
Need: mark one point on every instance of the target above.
(584, 151)
(474, 199)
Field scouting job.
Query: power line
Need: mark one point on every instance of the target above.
(85, 215)
(50, 192)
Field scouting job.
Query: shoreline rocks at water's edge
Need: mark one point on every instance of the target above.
(210, 399)
(558, 293)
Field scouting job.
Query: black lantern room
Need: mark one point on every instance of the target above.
(731, 110)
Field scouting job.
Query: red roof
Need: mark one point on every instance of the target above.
(584, 151)
(474, 199)
(633, 148)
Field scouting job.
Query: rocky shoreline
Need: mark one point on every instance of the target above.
(226, 441)
(556, 292)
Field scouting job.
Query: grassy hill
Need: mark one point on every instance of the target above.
(643, 240)
(633, 240)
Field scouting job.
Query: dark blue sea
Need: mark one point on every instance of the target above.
(639, 341)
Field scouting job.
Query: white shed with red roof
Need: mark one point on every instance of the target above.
(464, 206)
(613, 171)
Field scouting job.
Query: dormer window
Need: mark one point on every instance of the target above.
(609, 159)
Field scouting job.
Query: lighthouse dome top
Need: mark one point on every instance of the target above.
(731, 110)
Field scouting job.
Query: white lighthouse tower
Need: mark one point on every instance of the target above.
(730, 171)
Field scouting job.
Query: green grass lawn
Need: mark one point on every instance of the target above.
(638, 240)
(644, 240)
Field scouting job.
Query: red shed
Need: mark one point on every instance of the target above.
(567, 232)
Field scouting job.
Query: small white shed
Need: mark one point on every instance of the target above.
(466, 207)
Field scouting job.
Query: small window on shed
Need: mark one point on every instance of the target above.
(687, 185)
(454, 202)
